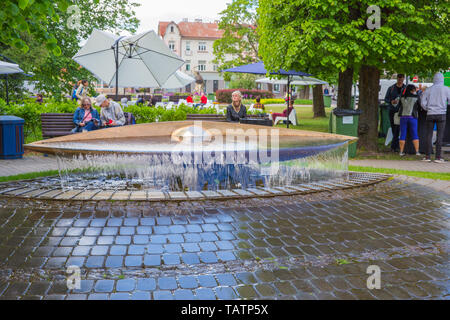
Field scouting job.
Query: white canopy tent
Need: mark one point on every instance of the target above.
(142, 60)
(296, 80)
(178, 80)
(7, 68)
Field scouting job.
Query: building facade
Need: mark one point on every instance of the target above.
(193, 42)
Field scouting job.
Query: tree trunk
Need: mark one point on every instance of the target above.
(318, 105)
(306, 92)
(369, 81)
(302, 93)
(345, 84)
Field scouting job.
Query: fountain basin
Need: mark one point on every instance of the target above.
(196, 155)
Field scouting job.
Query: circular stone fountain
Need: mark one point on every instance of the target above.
(192, 160)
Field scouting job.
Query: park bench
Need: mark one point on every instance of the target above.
(61, 124)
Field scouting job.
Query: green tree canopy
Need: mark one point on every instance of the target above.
(56, 74)
(19, 18)
(239, 43)
(328, 35)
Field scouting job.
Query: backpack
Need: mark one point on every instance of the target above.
(130, 118)
(74, 93)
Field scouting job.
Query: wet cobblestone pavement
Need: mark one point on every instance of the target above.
(314, 246)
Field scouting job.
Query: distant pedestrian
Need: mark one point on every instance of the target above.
(392, 98)
(82, 90)
(140, 100)
(409, 113)
(39, 98)
(435, 100)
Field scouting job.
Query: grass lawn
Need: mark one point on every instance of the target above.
(420, 174)
(31, 175)
(305, 118)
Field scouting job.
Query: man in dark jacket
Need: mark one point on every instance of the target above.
(393, 98)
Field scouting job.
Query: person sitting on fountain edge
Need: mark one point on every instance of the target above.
(236, 110)
(111, 114)
(85, 117)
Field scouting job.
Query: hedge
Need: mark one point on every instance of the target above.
(31, 111)
(224, 96)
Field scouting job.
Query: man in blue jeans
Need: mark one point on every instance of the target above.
(434, 101)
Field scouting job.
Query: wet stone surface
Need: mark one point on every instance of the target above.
(315, 246)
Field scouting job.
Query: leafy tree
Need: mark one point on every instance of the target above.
(243, 81)
(239, 43)
(57, 74)
(333, 36)
(19, 18)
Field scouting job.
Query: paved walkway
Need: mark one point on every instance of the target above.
(27, 165)
(299, 247)
(403, 165)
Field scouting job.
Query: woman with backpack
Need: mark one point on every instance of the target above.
(408, 113)
(81, 90)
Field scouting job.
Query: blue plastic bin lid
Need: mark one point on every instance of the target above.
(11, 120)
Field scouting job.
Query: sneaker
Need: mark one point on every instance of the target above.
(402, 154)
(439, 160)
(426, 159)
(418, 154)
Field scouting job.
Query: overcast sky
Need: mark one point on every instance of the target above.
(152, 11)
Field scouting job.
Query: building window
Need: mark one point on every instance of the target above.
(276, 88)
(202, 46)
(188, 65)
(171, 29)
(172, 45)
(202, 66)
(215, 67)
(188, 46)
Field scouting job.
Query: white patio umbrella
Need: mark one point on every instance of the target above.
(142, 60)
(298, 81)
(8, 68)
(178, 80)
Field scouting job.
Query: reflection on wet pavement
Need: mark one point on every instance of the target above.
(299, 247)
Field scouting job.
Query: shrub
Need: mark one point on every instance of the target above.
(224, 96)
(31, 111)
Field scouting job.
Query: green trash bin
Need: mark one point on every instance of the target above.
(345, 122)
(385, 123)
(327, 101)
(211, 97)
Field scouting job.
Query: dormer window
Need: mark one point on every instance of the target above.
(171, 29)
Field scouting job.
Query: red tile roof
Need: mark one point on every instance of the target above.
(193, 29)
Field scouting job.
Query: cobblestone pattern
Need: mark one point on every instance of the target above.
(299, 247)
(40, 189)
